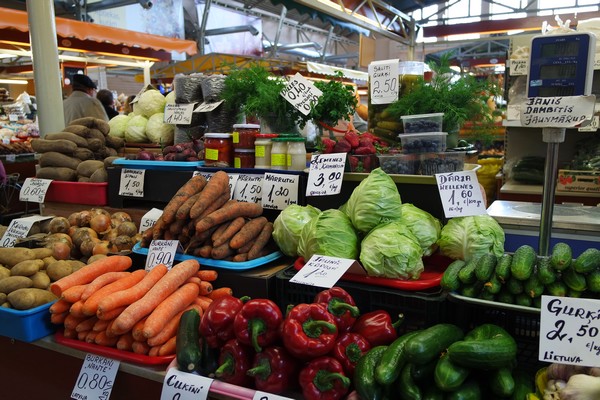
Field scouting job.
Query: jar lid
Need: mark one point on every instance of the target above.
(243, 150)
(296, 139)
(266, 135)
(246, 126)
(217, 135)
(280, 139)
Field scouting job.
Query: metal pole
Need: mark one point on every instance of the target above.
(46, 72)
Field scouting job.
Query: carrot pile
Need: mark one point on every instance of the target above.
(137, 311)
(210, 225)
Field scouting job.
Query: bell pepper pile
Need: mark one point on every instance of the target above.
(314, 348)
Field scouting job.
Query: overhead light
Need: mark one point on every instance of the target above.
(13, 81)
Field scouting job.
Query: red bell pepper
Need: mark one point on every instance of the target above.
(377, 327)
(309, 331)
(341, 305)
(274, 370)
(235, 360)
(257, 324)
(348, 348)
(216, 325)
(323, 379)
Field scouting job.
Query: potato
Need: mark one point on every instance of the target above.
(58, 145)
(40, 280)
(6, 304)
(83, 179)
(3, 297)
(76, 264)
(25, 299)
(9, 256)
(4, 273)
(57, 174)
(101, 175)
(48, 260)
(78, 140)
(79, 130)
(108, 161)
(89, 122)
(27, 268)
(96, 134)
(115, 142)
(59, 269)
(95, 144)
(13, 283)
(55, 159)
(102, 126)
(95, 257)
(88, 167)
(83, 153)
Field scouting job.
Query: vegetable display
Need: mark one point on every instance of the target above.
(288, 225)
(329, 233)
(465, 238)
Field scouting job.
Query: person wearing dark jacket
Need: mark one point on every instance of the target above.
(81, 102)
(108, 101)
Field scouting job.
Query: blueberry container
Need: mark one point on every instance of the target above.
(403, 164)
(417, 143)
(439, 163)
(420, 123)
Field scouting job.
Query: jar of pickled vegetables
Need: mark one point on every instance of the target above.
(262, 148)
(218, 150)
(244, 135)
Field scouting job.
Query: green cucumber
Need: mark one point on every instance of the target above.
(486, 347)
(592, 281)
(187, 341)
(561, 256)
(423, 372)
(523, 262)
(364, 374)
(574, 280)
(470, 390)
(467, 273)
(503, 267)
(524, 384)
(558, 289)
(393, 359)
(545, 272)
(432, 392)
(576, 294)
(472, 289)
(430, 342)
(502, 382)
(448, 376)
(523, 299)
(536, 302)
(504, 296)
(587, 261)
(515, 286)
(485, 295)
(450, 279)
(494, 285)
(485, 266)
(533, 287)
(407, 387)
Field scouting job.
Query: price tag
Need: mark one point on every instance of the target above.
(249, 188)
(19, 228)
(322, 271)
(178, 113)
(326, 174)
(233, 179)
(258, 395)
(597, 61)
(383, 81)
(161, 252)
(301, 93)
(460, 193)
(557, 112)
(519, 67)
(149, 219)
(569, 331)
(11, 157)
(208, 107)
(96, 378)
(592, 126)
(279, 191)
(206, 175)
(180, 385)
(34, 190)
(132, 182)
(13, 117)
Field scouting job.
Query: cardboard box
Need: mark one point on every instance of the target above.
(578, 181)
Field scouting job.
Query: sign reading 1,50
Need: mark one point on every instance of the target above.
(160, 257)
(254, 189)
(332, 177)
(134, 184)
(388, 85)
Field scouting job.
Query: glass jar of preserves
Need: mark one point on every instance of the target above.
(296, 154)
(244, 135)
(279, 153)
(262, 148)
(243, 158)
(218, 150)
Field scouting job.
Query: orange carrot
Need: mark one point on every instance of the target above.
(209, 275)
(221, 201)
(176, 226)
(168, 348)
(138, 330)
(112, 314)
(91, 336)
(221, 252)
(203, 302)
(240, 257)
(90, 307)
(100, 282)
(70, 333)
(73, 294)
(163, 288)
(194, 279)
(205, 288)
(110, 331)
(140, 347)
(90, 272)
(215, 187)
(219, 231)
(220, 292)
(248, 232)
(159, 228)
(203, 251)
(231, 230)
(82, 335)
(146, 237)
(196, 184)
(58, 318)
(227, 213)
(60, 306)
(169, 307)
(183, 213)
(86, 324)
(134, 293)
(170, 328)
(245, 248)
(125, 342)
(153, 351)
(76, 310)
(261, 241)
(101, 325)
(102, 339)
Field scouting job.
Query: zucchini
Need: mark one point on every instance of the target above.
(523, 262)
(430, 342)
(587, 261)
(364, 374)
(467, 273)
(533, 287)
(561, 256)
(470, 390)
(546, 273)
(574, 280)
(407, 387)
(592, 281)
(558, 289)
(486, 347)
(503, 267)
(448, 376)
(485, 266)
(187, 341)
(502, 382)
(393, 359)
(450, 279)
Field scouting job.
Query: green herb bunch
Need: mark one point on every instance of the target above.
(337, 102)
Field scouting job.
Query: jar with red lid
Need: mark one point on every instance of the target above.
(243, 158)
(244, 135)
(218, 150)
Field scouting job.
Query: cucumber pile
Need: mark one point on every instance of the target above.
(522, 277)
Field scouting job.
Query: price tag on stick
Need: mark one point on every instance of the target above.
(180, 385)
(322, 271)
(301, 93)
(161, 252)
(132, 182)
(326, 174)
(460, 193)
(96, 378)
(19, 228)
(279, 191)
(34, 190)
(180, 114)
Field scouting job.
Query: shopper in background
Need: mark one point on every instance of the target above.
(128, 108)
(81, 102)
(108, 101)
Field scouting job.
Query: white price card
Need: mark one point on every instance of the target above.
(11, 157)
(19, 228)
(161, 252)
(557, 112)
(132, 182)
(34, 190)
(13, 117)
(206, 175)
(279, 190)
(258, 395)
(233, 178)
(519, 67)
(301, 93)
(178, 113)
(570, 331)
(208, 107)
(460, 193)
(592, 126)
(249, 188)
(326, 174)
(322, 271)
(383, 81)
(179, 385)
(96, 378)
(149, 219)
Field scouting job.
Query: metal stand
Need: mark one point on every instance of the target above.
(552, 136)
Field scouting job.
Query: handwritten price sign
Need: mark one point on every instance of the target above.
(249, 188)
(519, 67)
(258, 395)
(180, 385)
(178, 113)
(34, 190)
(383, 81)
(279, 191)
(569, 331)
(132, 182)
(19, 228)
(161, 252)
(326, 174)
(208, 107)
(149, 219)
(460, 193)
(322, 271)
(96, 378)
(301, 93)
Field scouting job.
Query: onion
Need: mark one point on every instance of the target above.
(59, 225)
(73, 219)
(127, 228)
(101, 223)
(145, 155)
(61, 250)
(83, 218)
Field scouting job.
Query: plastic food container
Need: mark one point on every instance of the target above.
(430, 142)
(218, 150)
(362, 162)
(438, 163)
(420, 123)
(404, 164)
(244, 135)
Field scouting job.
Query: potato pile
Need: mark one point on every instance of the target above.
(77, 154)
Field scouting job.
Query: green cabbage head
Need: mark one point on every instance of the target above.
(288, 226)
(118, 125)
(330, 233)
(392, 251)
(423, 225)
(374, 201)
(466, 238)
(136, 129)
(170, 97)
(150, 102)
(158, 132)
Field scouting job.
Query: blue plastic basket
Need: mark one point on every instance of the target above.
(26, 325)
